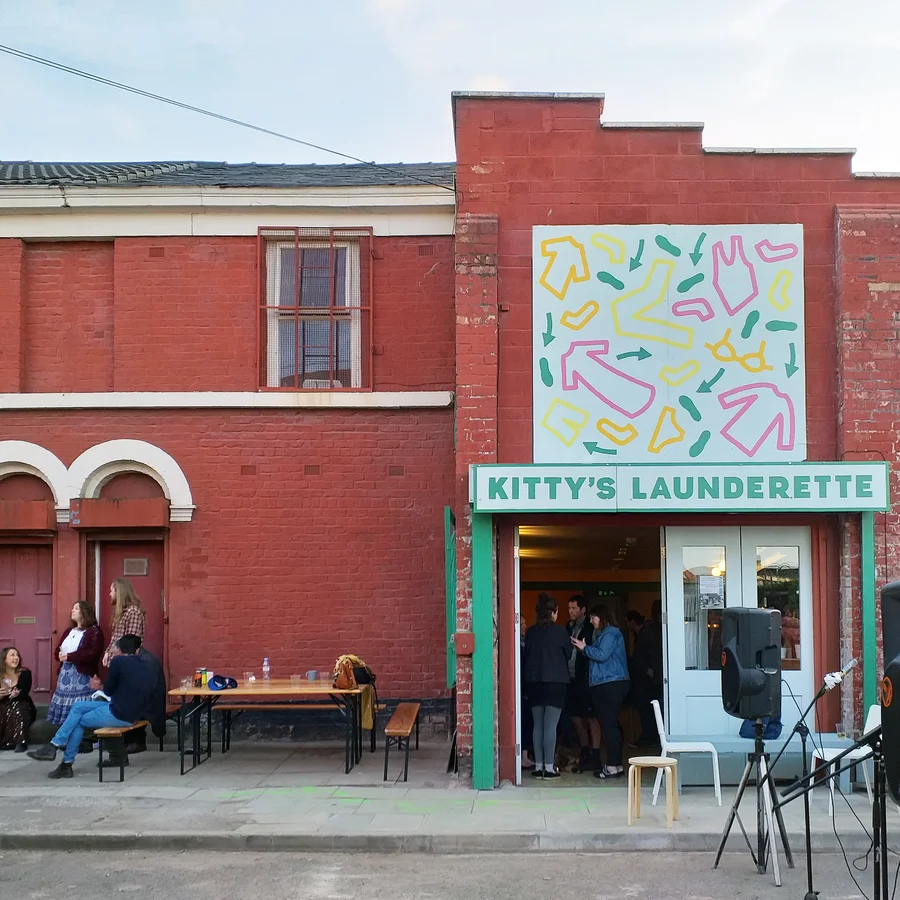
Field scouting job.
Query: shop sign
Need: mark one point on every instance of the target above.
(747, 487)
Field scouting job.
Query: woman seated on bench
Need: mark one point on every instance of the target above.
(128, 686)
(17, 712)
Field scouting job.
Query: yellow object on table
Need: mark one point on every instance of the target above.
(636, 766)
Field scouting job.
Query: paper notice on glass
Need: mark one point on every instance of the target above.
(712, 591)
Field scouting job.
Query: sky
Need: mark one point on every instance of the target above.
(372, 78)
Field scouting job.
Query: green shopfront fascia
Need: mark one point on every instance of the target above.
(829, 487)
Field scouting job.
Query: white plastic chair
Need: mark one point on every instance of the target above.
(669, 748)
(860, 755)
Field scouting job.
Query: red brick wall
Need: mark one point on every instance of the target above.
(536, 162)
(297, 567)
(868, 274)
(68, 316)
(180, 314)
(413, 309)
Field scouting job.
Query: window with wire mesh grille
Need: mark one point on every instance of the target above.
(315, 308)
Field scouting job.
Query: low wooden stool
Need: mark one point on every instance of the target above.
(636, 766)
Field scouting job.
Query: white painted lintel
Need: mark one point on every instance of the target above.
(229, 400)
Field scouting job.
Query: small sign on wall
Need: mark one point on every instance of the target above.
(135, 568)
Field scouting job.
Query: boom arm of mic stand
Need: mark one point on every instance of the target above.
(794, 730)
(866, 740)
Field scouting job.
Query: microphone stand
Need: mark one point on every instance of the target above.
(802, 729)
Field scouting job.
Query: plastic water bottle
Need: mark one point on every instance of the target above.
(267, 672)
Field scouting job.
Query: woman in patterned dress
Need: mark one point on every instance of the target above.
(79, 651)
(17, 712)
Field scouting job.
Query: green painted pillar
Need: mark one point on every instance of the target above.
(869, 618)
(483, 660)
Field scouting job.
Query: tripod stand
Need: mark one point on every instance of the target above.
(767, 813)
(873, 739)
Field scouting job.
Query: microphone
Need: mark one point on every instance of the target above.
(833, 679)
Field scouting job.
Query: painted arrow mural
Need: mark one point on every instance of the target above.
(669, 343)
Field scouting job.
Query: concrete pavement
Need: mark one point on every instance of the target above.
(281, 796)
(286, 876)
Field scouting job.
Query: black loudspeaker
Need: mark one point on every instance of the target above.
(751, 662)
(890, 685)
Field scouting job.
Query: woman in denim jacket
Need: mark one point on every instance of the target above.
(608, 679)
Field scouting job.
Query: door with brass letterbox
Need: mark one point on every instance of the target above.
(26, 610)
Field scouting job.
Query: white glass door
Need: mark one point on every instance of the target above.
(777, 574)
(711, 569)
(703, 568)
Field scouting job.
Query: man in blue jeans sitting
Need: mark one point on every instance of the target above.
(128, 685)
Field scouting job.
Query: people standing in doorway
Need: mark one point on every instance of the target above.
(17, 712)
(129, 617)
(79, 654)
(641, 671)
(526, 725)
(547, 651)
(608, 678)
(578, 699)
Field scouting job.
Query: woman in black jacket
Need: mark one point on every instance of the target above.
(17, 712)
(547, 650)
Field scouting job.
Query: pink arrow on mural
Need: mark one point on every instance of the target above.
(736, 285)
(761, 409)
(583, 364)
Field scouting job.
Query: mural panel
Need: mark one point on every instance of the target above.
(669, 343)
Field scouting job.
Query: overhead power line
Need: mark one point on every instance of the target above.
(52, 64)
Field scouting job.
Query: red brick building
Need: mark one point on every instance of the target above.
(232, 384)
(268, 386)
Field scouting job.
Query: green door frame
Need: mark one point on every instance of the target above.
(450, 591)
(869, 616)
(483, 689)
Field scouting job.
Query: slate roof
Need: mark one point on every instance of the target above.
(225, 175)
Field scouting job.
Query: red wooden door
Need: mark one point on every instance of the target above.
(142, 563)
(26, 610)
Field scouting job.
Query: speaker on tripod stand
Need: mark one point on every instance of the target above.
(751, 689)
(890, 686)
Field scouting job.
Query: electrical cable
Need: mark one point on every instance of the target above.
(49, 63)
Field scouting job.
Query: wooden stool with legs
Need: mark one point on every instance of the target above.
(636, 766)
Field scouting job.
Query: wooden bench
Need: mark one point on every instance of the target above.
(397, 733)
(103, 734)
(228, 710)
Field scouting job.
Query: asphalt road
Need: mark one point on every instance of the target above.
(279, 876)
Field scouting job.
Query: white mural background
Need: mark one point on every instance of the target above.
(668, 343)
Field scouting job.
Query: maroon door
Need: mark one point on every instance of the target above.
(26, 610)
(142, 563)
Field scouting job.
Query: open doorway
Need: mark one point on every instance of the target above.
(621, 569)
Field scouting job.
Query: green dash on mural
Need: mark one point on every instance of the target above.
(665, 244)
(750, 324)
(699, 445)
(688, 404)
(593, 448)
(546, 376)
(638, 354)
(695, 254)
(706, 386)
(635, 261)
(789, 367)
(609, 278)
(548, 335)
(778, 325)
(688, 283)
